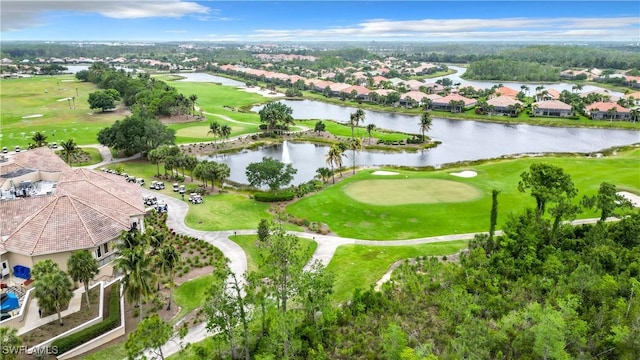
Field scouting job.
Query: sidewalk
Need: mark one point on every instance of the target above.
(32, 319)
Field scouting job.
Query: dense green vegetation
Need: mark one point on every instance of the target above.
(512, 70)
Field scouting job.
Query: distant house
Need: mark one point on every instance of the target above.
(412, 98)
(607, 111)
(604, 95)
(444, 103)
(635, 97)
(505, 91)
(50, 210)
(503, 104)
(551, 108)
(361, 92)
(414, 84)
(547, 94)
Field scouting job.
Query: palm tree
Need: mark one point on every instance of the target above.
(525, 89)
(334, 158)
(169, 258)
(193, 98)
(370, 129)
(425, 123)
(138, 276)
(83, 267)
(52, 288)
(9, 339)
(355, 119)
(355, 144)
(225, 131)
(612, 113)
(39, 139)
(324, 173)
(635, 112)
(69, 149)
(214, 129)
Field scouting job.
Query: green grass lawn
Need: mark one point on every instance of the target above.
(342, 130)
(360, 266)
(227, 212)
(350, 218)
(116, 351)
(248, 244)
(191, 294)
(45, 95)
(95, 157)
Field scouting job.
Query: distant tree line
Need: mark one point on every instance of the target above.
(514, 70)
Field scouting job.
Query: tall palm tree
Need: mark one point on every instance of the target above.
(169, 258)
(83, 267)
(225, 131)
(192, 99)
(53, 290)
(334, 158)
(214, 129)
(355, 119)
(39, 139)
(425, 123)
(525, 89)
(69, 149)
(138, 276)
(355, 144)
(635, 112)
(370, 129)
(9, 339)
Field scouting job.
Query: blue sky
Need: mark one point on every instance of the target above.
(272, 21)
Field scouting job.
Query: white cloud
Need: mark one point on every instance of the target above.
(18, 14)
(617, 28)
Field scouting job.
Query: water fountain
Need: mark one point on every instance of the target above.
(285, 153)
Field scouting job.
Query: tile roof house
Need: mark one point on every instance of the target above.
(607, 110)
(413, 98)
(506, 91)
(503, 104)
(548, 94)
(361, 92)
(444, 103)
(64, 210)
(634, 96)
(551, 108)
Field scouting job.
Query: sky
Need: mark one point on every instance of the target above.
(273, 21)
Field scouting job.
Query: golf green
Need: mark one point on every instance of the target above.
(410, 191)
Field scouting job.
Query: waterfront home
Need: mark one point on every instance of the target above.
(551, 108)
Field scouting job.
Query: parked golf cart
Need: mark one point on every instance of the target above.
(162, 207)
(195, 198)
(150, 200)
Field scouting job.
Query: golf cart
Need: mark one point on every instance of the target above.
(150, 200)
(182, 189)
(162, 207)
(156, 185)
(195, 198)
(176, 186)
(140, 181)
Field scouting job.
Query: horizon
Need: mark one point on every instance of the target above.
(169, 21)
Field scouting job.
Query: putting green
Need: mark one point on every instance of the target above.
(410, 191)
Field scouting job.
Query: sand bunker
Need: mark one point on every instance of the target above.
(635, 199)
(382, 172)
(32, 116)
(465, 174)
(263, 92)
(68, 80)
(64, 99)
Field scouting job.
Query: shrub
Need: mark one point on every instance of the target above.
(274, 196)
(110, 322)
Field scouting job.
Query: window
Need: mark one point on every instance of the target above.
(105, 248)
(99, 252)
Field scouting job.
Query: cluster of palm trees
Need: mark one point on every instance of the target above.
(69, 148)
(172, 159)
(212, 171)
(216, 129)
(141, 258)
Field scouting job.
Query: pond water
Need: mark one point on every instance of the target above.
(461, 140)
(203, 77)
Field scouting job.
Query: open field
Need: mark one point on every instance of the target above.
(248, 243)
(414, 191)
(360, 266)
(351, 218)
(22, 99)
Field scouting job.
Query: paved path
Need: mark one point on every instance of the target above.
(107, 158)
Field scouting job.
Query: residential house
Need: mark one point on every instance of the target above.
(412, 98)
(414, 84)
(336, 88)
(635, 97)
(548, 94)
(607, 111)
(433, 88)
(444, 103)
(361, 92)
(505, 91)
(504, 104)
(50, 210)
(551, 108)
(603, 94)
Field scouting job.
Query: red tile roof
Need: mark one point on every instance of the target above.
(506, 91)
(605, 106)
(552, 105)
